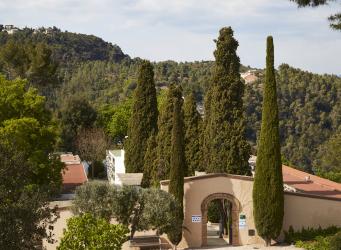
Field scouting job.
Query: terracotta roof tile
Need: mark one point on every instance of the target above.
(310, 184)
(73, 176)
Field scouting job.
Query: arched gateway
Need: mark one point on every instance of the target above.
(234, 216)
(199, 191)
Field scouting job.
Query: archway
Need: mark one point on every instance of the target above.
(235, 210)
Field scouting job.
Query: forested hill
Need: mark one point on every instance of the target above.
(67, 46)
(86, 72)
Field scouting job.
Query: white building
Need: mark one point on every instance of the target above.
(116, 170)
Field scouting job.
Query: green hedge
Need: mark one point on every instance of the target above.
(315, 239)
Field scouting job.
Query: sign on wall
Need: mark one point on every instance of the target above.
(196, 218)
(242, 221)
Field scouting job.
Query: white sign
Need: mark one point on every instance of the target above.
(242, 221)
(196, 218)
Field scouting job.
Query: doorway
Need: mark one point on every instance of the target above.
(220, 213)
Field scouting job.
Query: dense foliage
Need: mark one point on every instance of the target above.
(225, 147)
(143, 120)
(164, 136)
(26, 124)
(315, 238)
(88, 232)
(193, 135)
(25, 213)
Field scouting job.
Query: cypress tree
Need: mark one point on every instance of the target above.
(165, 125)
(193, 123)
(143, 121)
(225, 147)
(268, 200)
(150, 167)
(177, 161)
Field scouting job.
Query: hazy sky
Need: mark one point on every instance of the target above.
(183, 30)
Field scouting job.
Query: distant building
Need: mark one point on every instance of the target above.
(116, 170)
(73, 174)
(10, 29)
(249, 76)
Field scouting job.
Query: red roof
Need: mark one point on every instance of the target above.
(73, 176)
(310, 184)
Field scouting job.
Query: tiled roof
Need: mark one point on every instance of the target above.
(310, 184)
(73, 176)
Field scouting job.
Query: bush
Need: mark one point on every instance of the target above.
(309, 234)
(335, 242)
(87, 232)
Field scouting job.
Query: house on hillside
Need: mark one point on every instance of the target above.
(116, 170)
(10, 29)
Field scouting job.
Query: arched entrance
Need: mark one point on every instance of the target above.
(236, 208)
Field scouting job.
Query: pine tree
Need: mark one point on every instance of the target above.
(225, 147)
(268, 200)
(143, 121)
(164, 140)
(178, 160)
(193, 123)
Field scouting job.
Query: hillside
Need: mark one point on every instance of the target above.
(98, 72)
(68, 47)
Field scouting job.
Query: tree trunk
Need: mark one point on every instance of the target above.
(267, 242)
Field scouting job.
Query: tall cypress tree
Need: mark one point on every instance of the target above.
(268, 200)
(225, 147)
(150, 166)
(143, 121)
(177, 161)
(165, 125)
(193, 124)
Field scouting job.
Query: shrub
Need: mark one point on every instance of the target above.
(335, 242)
(309, 234)
(213, 213)
(87, 232)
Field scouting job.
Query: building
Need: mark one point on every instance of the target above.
(249, 76)
(74, 173)
(10, 29)
(116, 170)
(309, 201)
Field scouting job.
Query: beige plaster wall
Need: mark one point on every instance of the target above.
(299, 210)
(302, 211)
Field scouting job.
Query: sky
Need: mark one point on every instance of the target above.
(184, 30)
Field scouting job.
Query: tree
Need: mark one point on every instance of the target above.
(268, 197)
(143, 120)
(76, 115)
(335, 20)
(329, 155)
(177, 163)
(88, 232)
(225, 147)
(95, 198)
(25, 124)
(25, 213)
(150, 164)
(118, 125)
(164, 140)
(135, 208)
(193, 123)
(92, 144)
